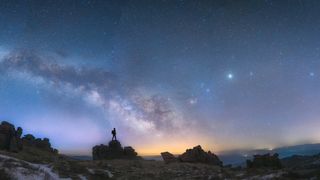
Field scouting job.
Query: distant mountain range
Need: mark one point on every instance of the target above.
(238, 157)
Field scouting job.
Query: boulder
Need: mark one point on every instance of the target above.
(42, 144)
(168, 157)
(19, 132)
(100, 152)
(9, 137)
(3, 141)
(13, 147)
(129, 152)
(28, 140)
(55, 151)
(198, 155)
(29, 137)
(113, 150)
(7, 128)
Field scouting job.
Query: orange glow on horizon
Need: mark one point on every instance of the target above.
(147, 150)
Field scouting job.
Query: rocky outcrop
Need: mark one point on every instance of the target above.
(42, 144)
(198, 155)
(168, 157)
(114, 150)
(265, 161)
(194, 155)
(10, 139)
(128, 152)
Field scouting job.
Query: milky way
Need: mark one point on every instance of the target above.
(167, 74)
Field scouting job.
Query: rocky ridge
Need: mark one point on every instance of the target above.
(11, 140)
(194, 155)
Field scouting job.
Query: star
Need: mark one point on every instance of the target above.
(311, 74)
(193, 101)
(230, 76)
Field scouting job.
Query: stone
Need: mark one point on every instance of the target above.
(198, 155)
(100, 152)
(113, 150)
(13, 145)
(168, 157)
(28, 140)
(55, 151)
(129, 152)
(19, 132)
(8, 137)
(3, 141)
(29, 137)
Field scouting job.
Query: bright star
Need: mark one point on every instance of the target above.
(311, 74)
(230, 76)
(193, 101)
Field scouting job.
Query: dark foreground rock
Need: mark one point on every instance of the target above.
(168, 157)
(114, 150)
(10, 139)
(194, 155)
(198, 155)
(42, 144)
(265, 161)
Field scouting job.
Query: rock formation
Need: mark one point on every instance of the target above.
(194, 155)
(265, 161)
(198, 155)
(168, 157)
(113, 150)
(42, 144)
(10, 139)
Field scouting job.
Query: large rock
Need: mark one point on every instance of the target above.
(198, 155)
(100, 152)
(19, 132)
(10, 137)
(114, 150)
(13, 145)
(265, 161)
(129, 152)
(168, 157)
(42, 144)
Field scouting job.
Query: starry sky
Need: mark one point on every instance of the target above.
(167, 74)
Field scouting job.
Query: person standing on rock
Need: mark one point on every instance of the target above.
(114, 134)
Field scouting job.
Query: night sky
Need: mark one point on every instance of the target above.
(167, 74)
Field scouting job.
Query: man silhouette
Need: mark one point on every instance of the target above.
(114, 134)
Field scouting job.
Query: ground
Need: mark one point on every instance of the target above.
(40, 165)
